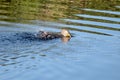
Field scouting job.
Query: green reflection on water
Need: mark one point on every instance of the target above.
(51, 10)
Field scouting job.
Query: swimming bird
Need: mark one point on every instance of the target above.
(52, 35)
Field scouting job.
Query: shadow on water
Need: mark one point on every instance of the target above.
(92, 54)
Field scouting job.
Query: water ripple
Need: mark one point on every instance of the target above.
(109, 25)
(102, 11)
(117, 6)
(99, 17)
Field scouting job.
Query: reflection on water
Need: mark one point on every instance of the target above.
(92, 54)
(65, 39)
(94, 23)
(99, 17)
(103, 11)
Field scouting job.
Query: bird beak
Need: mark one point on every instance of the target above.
(68, 35)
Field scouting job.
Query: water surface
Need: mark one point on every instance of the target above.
(92, 54)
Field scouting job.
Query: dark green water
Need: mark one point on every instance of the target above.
(92, 54)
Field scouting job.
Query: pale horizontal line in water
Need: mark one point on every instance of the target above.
(3, 16)
(102, 11)
(99, 17)
(117, 6)
(109, 25)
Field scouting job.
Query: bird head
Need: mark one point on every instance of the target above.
(65, 33)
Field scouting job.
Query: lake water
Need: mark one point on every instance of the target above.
(92, 54)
